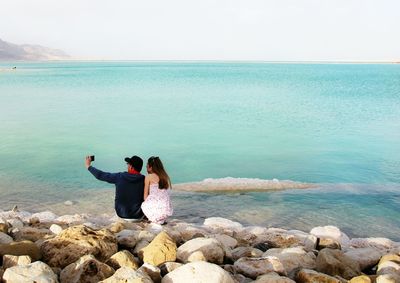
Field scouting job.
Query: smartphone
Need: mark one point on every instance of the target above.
(92, 158)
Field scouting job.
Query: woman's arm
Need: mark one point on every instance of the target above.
(146, 187)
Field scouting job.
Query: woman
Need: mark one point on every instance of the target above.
(157, 186)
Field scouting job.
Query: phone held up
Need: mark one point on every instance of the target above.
(91, 157)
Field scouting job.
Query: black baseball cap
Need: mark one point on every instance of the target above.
(135, 161)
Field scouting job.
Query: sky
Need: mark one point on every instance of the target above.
(248, 30)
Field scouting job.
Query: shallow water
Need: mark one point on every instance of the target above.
(329, 124)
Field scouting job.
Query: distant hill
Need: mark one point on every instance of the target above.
(10, 51)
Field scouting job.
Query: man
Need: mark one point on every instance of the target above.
(129, 187)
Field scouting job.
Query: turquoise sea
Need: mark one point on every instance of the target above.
(335, 125)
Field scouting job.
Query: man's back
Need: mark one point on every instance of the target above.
(128, 191)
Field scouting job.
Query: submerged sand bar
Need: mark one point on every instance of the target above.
(228, 184)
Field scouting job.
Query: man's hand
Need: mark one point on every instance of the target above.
(87, 161)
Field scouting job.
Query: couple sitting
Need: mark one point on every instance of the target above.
(136, 194)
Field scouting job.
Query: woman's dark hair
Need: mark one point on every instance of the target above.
(158, 168)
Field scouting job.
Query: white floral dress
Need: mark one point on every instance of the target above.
(157, 207)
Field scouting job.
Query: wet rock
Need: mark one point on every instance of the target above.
(331, 232)
(21, 248)
(200, 271)
(86, 269)
(160, 250)
(210, 248)
(365, 257)
(168, 267)
(77, 241)
(222, 223)
(253, 267)
(126, 274)
(312, 276)
(38, 272)
(5, 239)
(12, 260)
(335, 262)
(153, 271)
(30, 233)
(273, 277)
(292, 258)
(123, 258)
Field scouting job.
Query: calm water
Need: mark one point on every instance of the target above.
(337, 125)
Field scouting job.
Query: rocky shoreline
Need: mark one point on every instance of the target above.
(44, 247)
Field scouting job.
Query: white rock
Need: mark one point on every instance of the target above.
(388, 267)
(56, 229)
(152, 271)
(332, 232)
(210, 248)
(38, 272)
(154, 228)
(292, 258)
(225, 240)
(222, 223)
(127, 274)
(72, 219)
(253, 267)
(366, 257)
(199, 271)
(45, 216)
(5, 239)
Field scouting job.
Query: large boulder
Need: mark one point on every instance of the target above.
(168, 267)
(86, 269)
(77, 241)
(366, 257)
(153, 271)
(160, 250)
(388, 278)
(225, 240)
(335, 262)
(388, 267)
(38, 272)
(293, 258)
(211, 249)
(123, 258)
(200, 271)
(312, 276)
(21, 248)
(126, 274)
(253, 267)
(382, 244)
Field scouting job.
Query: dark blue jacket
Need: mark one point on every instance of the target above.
(129, 190)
